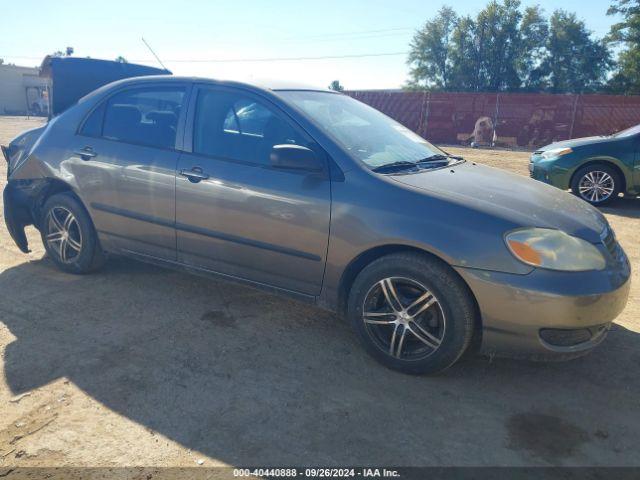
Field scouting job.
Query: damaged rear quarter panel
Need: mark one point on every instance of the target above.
(20, 147)
(32, 177)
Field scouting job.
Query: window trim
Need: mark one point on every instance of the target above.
(180, 126)
(189, 130)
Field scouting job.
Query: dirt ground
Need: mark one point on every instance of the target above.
(139, 366)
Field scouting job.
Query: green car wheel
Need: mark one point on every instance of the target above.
(597, 184)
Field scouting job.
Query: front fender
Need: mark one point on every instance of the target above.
(607, 160)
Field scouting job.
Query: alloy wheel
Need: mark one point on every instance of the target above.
(596, 186)
(404, 318)
(63, 234)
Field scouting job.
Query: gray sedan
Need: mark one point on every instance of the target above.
(314, 195)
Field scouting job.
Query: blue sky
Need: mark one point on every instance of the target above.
(186, 35)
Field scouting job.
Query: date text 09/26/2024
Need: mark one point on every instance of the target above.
(316, 472)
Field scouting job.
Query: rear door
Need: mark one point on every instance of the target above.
(125, 162)
(235, 213)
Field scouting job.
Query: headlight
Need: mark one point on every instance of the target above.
(554, 249)
(555, 153)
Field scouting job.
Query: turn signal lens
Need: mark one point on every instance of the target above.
(525, 252)
(554, 250)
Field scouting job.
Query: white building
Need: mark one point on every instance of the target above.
(22, 91)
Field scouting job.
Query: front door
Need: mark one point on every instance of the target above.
(125, 163)
(235, 213)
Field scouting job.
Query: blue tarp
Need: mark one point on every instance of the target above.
(71, 78)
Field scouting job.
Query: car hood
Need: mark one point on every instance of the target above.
(575, 142)
(520, 200)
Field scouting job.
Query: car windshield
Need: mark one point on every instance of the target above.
(628, 132)
(370, 136)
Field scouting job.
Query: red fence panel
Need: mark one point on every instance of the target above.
(408, 108)
(517, 120)
(460, 117)
(532, 120)
(605, 114)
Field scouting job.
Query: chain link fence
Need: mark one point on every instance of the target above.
(513, 120)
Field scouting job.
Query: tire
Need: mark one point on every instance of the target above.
(586, 180)
(449, 319)
(78, 250)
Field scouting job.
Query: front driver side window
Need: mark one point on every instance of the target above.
(234, 126)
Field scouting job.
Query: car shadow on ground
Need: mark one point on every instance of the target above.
(624, 207)
(250, 378)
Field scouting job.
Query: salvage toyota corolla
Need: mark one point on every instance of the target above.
(315, 195)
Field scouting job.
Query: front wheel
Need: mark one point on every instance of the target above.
(68, 235)
(597, 184)
(412, 313)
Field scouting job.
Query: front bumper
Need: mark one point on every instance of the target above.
(538, 315)
(553, 172)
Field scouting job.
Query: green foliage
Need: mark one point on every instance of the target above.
(506, 48)
(59, 53)
(335, 85)
(574, 62)
(626, 77)
(534, 30)
(431, 51)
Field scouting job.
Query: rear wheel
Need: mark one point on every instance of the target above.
(597, 184)
(412, 313)
(68, 235)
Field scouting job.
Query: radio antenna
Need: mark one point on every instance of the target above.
(154, 53)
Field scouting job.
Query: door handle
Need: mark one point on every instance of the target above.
(194, 175)
(86, 153)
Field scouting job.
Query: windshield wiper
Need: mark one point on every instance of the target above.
(405, 165)
(438, 157)
(393, 166)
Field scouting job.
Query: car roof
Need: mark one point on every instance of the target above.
(270, 85)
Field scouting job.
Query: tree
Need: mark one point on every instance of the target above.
(453, 53)
(534, 31)
(626, 78)
(499, 45)
(505, 48)
(465, 57)
(335, 85)
(574, 62)
(431, 50)
(59, 53)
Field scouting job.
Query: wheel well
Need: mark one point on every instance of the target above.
(52, 186)
(607, 163)
(361, 261)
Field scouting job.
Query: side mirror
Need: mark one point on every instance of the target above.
(295, 157)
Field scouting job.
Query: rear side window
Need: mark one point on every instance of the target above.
(144, 116)
(235, 126)
(93, 124)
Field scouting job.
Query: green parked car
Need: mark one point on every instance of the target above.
(597, 169)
